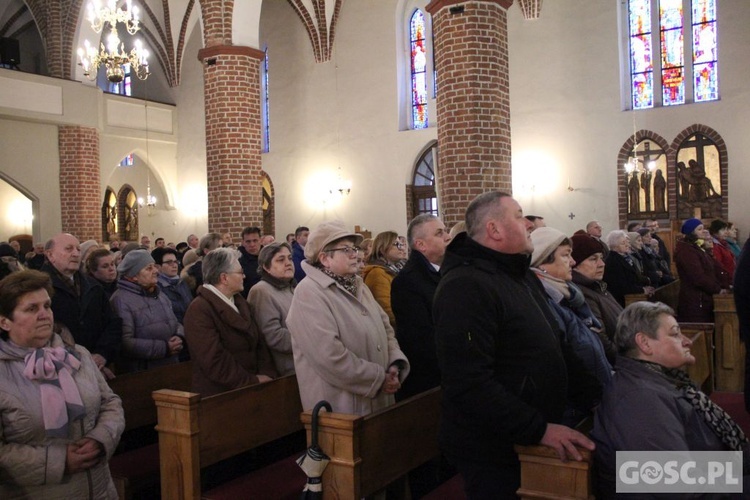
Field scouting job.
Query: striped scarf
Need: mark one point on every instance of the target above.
(52, 367)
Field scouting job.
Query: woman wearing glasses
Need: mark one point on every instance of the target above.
(345, 351)
(382, 267)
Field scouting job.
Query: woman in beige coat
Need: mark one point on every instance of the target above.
(345, 351)
(59, 420)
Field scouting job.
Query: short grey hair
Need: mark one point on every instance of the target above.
(207, 243)
(639, 317)
(216, 262)
(268, 252)
(415, 224)
(615, 236)
(479, 210)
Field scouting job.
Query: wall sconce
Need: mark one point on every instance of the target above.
(341, 188)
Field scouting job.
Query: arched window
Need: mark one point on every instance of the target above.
(670, 73)
(265, 125)
(418, 48)
(268, 205)
(424, 195)
(109, 216)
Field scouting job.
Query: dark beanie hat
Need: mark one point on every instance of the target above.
(584, 246)
(689, 226)
(643, 231)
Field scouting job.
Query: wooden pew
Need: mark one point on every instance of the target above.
(196, 432)
(702, 371)
(370, 452)
(668, 294)
(138, 469)
(730, 352)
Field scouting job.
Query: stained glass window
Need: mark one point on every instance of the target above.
(424, 199)
(265, 125)
(418, 70)
(641, 66)
(123, 87)
(672, 55)
(705, 56)
(128, 161)
(677, 79)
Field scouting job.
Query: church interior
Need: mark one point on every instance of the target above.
(317, 119)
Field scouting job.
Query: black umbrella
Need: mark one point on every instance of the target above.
(314, 461)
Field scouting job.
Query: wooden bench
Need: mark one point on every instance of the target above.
(668, 294)
(196, 432)
(137, 469)
(730, 351)
(370, 452)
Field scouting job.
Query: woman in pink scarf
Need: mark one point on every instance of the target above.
(59, 421)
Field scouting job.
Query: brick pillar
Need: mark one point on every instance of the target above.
(233, 142)
(80, 203)
(473, 104)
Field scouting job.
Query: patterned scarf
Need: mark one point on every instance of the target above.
(350, 283)
(61, 401)
(715, 417)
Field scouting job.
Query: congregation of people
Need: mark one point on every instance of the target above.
(523, 326)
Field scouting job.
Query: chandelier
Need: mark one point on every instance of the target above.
(113, 56)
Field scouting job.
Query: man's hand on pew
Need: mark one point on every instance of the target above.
(564, 440)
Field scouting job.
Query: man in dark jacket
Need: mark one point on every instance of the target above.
(742, 305)
(504, 377)
(298, 251)
(412, 291)
(249, 251)
(80, 303)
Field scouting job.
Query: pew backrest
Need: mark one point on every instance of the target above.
(195, 432)
(668, 294)
(135, 390)
(369, 452)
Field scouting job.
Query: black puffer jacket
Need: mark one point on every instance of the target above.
(503, 372)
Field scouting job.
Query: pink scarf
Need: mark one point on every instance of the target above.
(61, 401)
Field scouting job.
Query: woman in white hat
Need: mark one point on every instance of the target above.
(345, 351)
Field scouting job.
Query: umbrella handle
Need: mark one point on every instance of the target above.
(316, 410)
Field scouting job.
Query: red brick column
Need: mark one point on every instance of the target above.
(80, 203)
(473, 105)
(233, 142)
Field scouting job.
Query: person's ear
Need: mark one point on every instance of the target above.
(643, 342)
(5, 323)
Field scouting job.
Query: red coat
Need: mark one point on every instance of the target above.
(698, 283)
(724, 257)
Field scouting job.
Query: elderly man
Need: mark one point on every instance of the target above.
(412, 291)
(504, 377)
(594, 229)
(192, 241)
(80, 304)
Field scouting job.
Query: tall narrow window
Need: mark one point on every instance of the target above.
(641, 65)
(424, 195)
(418, 70)
(686, 68)
(265, 125)
(705, 57)
(123, 87)
(672, 55)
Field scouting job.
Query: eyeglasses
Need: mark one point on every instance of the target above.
(349, 251)
(168, 262)
(399, 245)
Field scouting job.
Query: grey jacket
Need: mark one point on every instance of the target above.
(33, 465)
(148, 322)
(269, 305)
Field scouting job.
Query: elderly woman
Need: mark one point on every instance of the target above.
(100, 265)
(552, 263)
(59, 420)
(226, 348)
(651, 404)
(270, 300)
(722, 253)
(699, 278)
(344, 347)
(588, 274)
(151, 334)
(621, 273)
(382, 267)
(169, 281)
